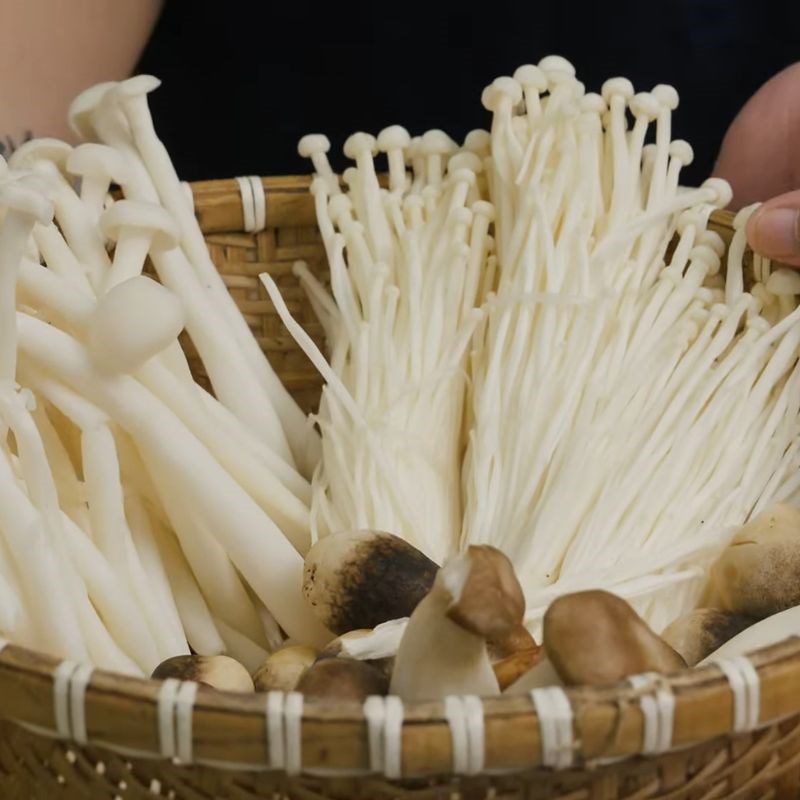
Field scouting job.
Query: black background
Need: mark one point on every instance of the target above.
(242, 81)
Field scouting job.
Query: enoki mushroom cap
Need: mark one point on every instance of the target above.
(141, 216)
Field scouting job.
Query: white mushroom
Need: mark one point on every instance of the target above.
(138, 229)
(284, 668)
(25, 204)
(133, 322)
(316, 147)
(475, 597)
(98, 166)
(393, 141)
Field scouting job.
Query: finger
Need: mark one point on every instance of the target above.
(774, 229)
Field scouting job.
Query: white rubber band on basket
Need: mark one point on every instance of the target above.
(78, 682)
(254, 203)
(167, 697)
(284, 716)
(293, 719)
(555, 726)
(658, 710)
(61, 684)
(465, 717)
(746, 688)
(384, 717)
(184, 711)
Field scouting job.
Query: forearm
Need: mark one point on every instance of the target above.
(52, 49)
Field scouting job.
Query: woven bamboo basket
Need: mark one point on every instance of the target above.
(103, 739)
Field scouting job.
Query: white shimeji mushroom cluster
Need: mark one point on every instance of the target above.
(140, 515)
(533, 344)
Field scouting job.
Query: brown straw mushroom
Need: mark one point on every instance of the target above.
(218, 672)
(476, 597)
(284, 668)
(595, 637)
(702, 631)
(513, 655)
(759, 574)
(359, 579)
(342, 680)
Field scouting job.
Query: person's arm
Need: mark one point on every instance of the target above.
(52, 49)
(761, 158)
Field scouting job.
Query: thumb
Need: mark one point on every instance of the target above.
(774, 229)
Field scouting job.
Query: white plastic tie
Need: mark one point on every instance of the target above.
(384, 717)
(254, 203)
(78, 683)
(746, 688)
(167, 697)
(284, 717)
(61, 686)
(465, 717)
(293, 718)
(658, 710)
(184, 712)
(555, 726)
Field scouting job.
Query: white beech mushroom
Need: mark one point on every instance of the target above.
(137, 228)
(704, 630)
(218, 672)
(342, 680)
(284, 668)
(134, 321)
(98, 166)
(475, 597)
(595, 637)
(359, 579)
(759, 573)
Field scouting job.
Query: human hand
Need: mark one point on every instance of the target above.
(760, 157)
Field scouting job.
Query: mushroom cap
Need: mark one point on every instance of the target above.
(594, 638)
(284, 668)
(487, 598)
(360, 579)
(529, 76)
(713, 240)
(84, 105)
(342, 680)
(53, 150)
(465, 160)
(339, 206)
(218, 672)
(359, 143)
(784, 281)
(682, 151)
(645, 104)
(132, 322)
(97, 160)
(722, 190)
(26, 195)
(592, 102)
(666, 95)
(139, 215)
(484, 208)
(557, 64)
(136, 86)
(513, 655)
(437, 142)
(500, 89)
(392, 138)
(313, 143)
(479, 142)
(614, 87)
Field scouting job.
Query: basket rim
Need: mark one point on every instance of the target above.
(228, 730)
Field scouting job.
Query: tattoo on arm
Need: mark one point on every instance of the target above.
(8, 144)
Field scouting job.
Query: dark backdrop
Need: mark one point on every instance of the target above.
(244, 80)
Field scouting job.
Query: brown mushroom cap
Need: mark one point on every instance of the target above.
(284, 668)
(759, 574)
(704, 630)
(595, 638)
(360, 579)
(342, 680)
(218, 672)
(490, 602)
